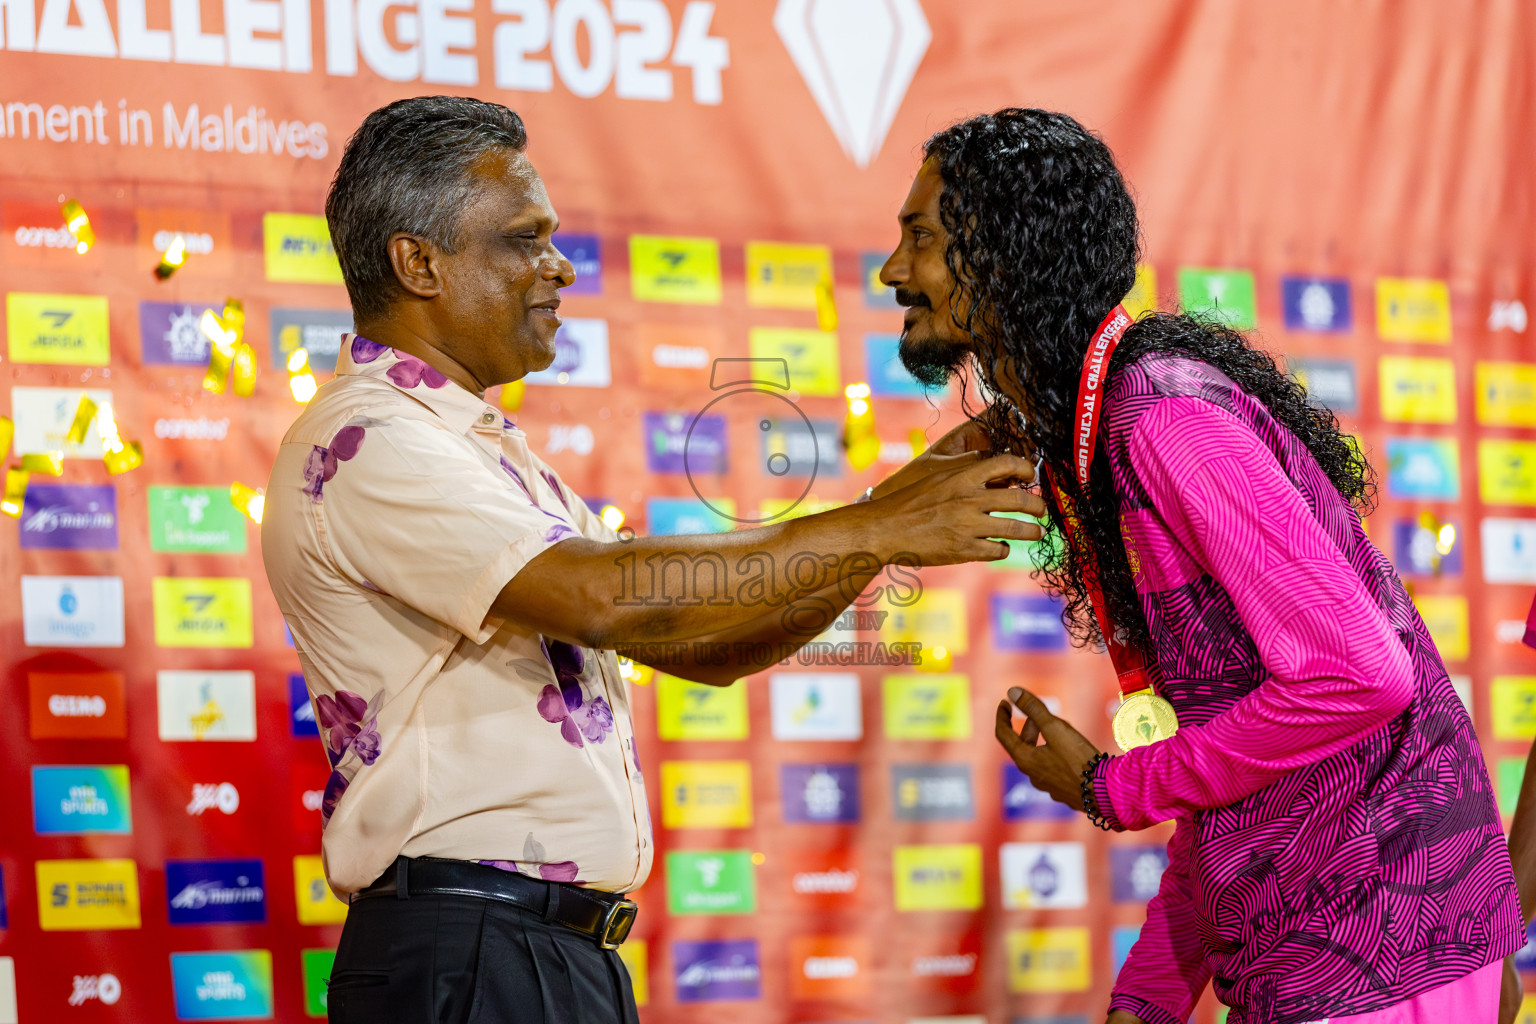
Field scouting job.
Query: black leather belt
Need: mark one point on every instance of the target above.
(605, 916)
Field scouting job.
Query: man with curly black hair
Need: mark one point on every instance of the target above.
(1338, 852)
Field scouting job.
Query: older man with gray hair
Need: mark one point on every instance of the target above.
(456, 607)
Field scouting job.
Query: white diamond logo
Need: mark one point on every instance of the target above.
(857, 57)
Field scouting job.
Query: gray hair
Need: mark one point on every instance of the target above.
(407, 168)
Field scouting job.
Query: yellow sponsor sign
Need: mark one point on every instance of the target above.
(814, 368)
(68, 329)
(1506, 472)
(1514, 707)
(316, 903)
(1413, 309)
(1527, 1014)
(665, 269)
(933, 706)
(87, 895)
(1417, 390)
(1048, 960)
(1506, 394)
(202, 612)
(298, 249)
(1142, 298)
(785, 276)
(1446, 617)
(941, 877)
(935, 619)
(636, 959)
(706, 794)
(692, 711)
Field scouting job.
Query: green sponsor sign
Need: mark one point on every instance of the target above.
(711, 882)
(1025, 555)
(195, 519)
(1510, 776)
(1226, 295)
(317, 975)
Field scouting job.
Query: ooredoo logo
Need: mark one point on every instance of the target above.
(76, 705)
(858, 58)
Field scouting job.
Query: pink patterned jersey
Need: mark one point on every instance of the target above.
(1337, 848)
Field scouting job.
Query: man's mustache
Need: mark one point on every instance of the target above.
(911, 298)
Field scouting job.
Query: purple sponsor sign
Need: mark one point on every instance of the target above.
(819, 793)
(1023, 802)
(74, 516)
(169, 334)
(680, 443)
(1414, 550)
(712, 971)
(1136, 872)
(586, 254)
(1027, 622)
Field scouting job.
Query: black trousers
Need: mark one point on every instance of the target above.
(463, 960)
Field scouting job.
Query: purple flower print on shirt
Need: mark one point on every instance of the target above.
(559, 529)
(579, 718)
(349, 726)
(322, 462)
(534, 853)
(410, 371)
(554, 485)
(365, 351)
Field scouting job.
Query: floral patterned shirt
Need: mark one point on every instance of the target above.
(399, 506)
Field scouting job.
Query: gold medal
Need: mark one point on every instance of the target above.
(1143, 718)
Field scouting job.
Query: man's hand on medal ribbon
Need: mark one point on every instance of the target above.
(1054, 766)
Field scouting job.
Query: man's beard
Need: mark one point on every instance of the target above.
(928, 358)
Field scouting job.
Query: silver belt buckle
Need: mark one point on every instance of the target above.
(617, 922)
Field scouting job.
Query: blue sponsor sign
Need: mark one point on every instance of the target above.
(1121, 940)
(81, 799)
(234, 985)
(301, 713)
(876, 294)
(169, 334)
(671, 516)
(1525, 957)
(711, 971)
(1315, 303)
(1415, 550)
(882, 364)
(819, 793)
(1027, 622)
(4, 920)
(215, 892)
(680, 443)
(1136, 871)
(586, 254)
(1423, 467)
(1023, 802)
(76, 517)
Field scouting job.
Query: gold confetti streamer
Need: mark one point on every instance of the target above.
(78, 225)
(81, 424)
(15, 492)
(172, 259)
(51, 463)
(250, 500)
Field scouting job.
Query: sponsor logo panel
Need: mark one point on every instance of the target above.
(937, 877)
(816, 706)
(234, 985)
(73, 517)
(1043, 875)
(687, 710)
(706, 794)
(72, 611)
(716, 970)
(204, 705)
(202, 612)
(81, 799)
(87, 895)
(819, 793)
(77, 705)
(61, 329)
(298, 249)
(215, 892)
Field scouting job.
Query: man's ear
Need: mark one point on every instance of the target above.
(414, 261)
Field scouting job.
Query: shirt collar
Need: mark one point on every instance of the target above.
(459, 408)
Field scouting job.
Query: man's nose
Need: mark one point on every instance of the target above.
(894, 272)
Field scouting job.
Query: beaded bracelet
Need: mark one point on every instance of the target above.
(1090, 805)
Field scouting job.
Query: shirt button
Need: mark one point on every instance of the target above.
(487, 417)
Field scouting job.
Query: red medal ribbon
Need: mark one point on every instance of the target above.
(1130, 664)
(1089, 394)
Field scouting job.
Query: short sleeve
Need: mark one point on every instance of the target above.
(412, 510)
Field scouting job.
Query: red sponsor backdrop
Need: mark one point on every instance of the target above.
(1301, 139)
